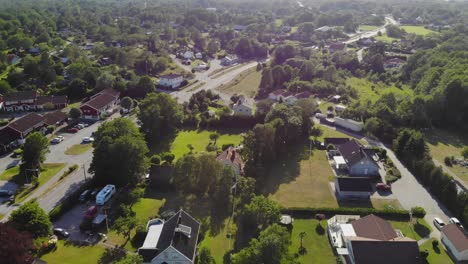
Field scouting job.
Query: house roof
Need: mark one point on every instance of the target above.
(405, 251)
(171, 236)
(278, 92)
(335, 141)
(112, 92)
(61, 99)
(354, 184)
(171, 76)
(374, 227)
(53, 117)
(19, 96)
(100, 101)
(26, 122)
(233, 157)
(352, 152)
(337, 45)
(456, 236)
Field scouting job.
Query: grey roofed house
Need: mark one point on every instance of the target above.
(358, 160)
(368, 251)
(177, 241)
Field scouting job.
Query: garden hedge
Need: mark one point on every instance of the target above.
(329, 212)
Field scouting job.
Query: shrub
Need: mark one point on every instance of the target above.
(3, 122)
(309, 212)
(448, 161)
(418, 212)
(435, 243)
(424, 254)
(226, 146)
(18, 152)
(155, 160)
(168, 157)
(50, 129)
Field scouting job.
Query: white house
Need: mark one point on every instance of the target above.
(199, 56)
(173, 241)
(456, 241)
(171, 80)
(188, 55)
(340, 108)
(240, 108)
(358, 161)
(349, 124)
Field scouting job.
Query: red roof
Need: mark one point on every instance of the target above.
(26, 122)
(374, 227)
(111, 92)
(232, 157)
(100, 101)
(53, 118)
(457, 236)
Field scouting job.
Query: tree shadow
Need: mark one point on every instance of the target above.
(455, 139)
(364, 203)
(421, 229)
(319, 229)
(163, 144)
(112, 255)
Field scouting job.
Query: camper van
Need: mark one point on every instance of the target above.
(105, 194)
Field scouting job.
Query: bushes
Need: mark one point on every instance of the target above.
(418, 212)
(310, 212)
(68, 203)
(70, 170)
(3, 122)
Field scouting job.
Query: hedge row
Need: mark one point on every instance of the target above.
(329, 212)
(68, 202)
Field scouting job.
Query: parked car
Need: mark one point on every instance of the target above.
(79, 126)
(73, 130)
(91, 212)
(94, 193)
(84, 195)
(454, 220)
(60, 232)
(57, 139)
(438, 223)
(83, 125)
(6, 193)
(383, 186)
(88, 140)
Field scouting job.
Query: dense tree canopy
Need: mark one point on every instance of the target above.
(34, 151)
(30, 218)
(15, 247)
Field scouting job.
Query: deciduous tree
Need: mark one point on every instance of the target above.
(30, 217)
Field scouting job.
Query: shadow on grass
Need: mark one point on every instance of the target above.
(421, 229)
(448, 138)
(364, 203)
(436, 249)
(112, 255)
(319, 229)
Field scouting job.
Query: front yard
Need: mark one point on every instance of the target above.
(437, 255)
(418, 229)
(317, 247)
(73, 255)
(218, 241)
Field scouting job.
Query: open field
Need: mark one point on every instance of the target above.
(418, 30)
(385, 38)
(219, 243)
(72, 105)
(303, 183)
(446, 144)
(199, 140)
(367, 27)
(318, 248)
(73, 255)
(246, 83)
(436, 255)
(78, 149)
(366, 92)
(414, 230)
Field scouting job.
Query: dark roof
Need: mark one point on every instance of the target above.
(385, 252)
(352, 152)
(100, 101)
(112, 92)
(20, 96)
(374, 227)
(171, 237)
(354, 184)
(26, 122)
(456, 236)
(171, 76)
(53, 117)
(335, 141)
(233, 157)
(61, 99)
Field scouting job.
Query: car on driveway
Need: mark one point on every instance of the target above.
(83, 125)
(454, 220)
(383, 187)
(91, 212)
(60, 232)
(73, 130)
(6, 193)
(84, 195)
(439, 223)
(57, 139)
(87, 140)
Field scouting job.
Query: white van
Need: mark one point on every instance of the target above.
(438, 223)
(105, 194)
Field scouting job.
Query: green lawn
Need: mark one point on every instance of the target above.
(303, 183)
(199, 140)
(413, 230)
(219, 243)
(246, 83)
(385, 38)
(72, 105)
(73, 255)
(49, 170)
(371, 91)
(437, 255)
(78, 149)
(367, 27)
(8, 174)
(318, 248)
(446, 144)
(330, 132)
(278, 22)
(418, 30)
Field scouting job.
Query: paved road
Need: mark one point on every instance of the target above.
(372, 33)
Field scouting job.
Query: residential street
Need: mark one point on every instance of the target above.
(368, 34)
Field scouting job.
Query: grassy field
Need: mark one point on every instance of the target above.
(413, 230)
(8, 174)
(303, 183)
(385, 38)
(199, 140)
(436, 255)
(367, 27)
(318, 248)
(219, 243)
(329, 132)
(446, 144)
(418, 30)
(78, 149)
(73, 255)
(72, 105)
(246, 83)
(366, 92)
